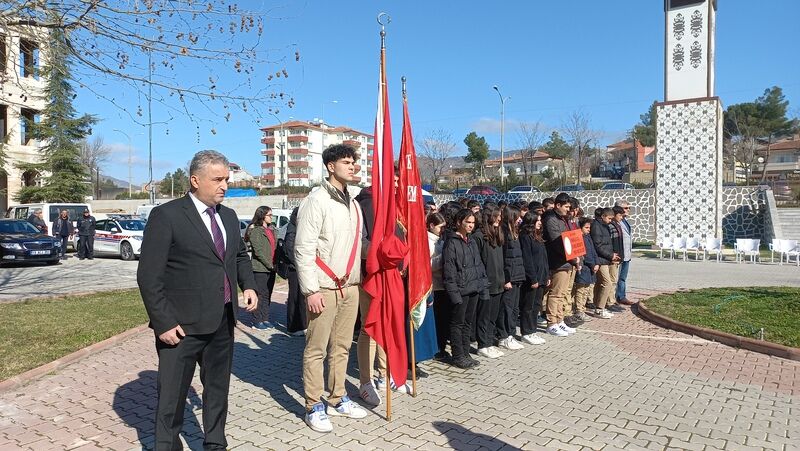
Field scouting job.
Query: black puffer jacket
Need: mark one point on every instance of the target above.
(534, 257)
(601, 237)
(463, 272)
(492, 257)
(514, 267)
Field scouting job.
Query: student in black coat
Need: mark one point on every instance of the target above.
(514, 275)
(601, 238)
(537, 276)
(464, 278)
(490, 243)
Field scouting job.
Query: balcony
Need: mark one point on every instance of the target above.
(267, 164)
(298, 164)
(269, 177)
(268, 152)
(298, 151)
(352, 142)
(268, 140)
(298, 138)
(298, 176)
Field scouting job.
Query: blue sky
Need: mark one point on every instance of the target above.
(550, 57)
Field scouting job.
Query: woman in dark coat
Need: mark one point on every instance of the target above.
(537, 276)
(514, 277)
(490, 242)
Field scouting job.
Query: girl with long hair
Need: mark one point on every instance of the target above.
(490, 243)
(464, 279)
(537, 276)
(263, 240)
(514, 273)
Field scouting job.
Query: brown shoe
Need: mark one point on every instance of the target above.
(625, 301)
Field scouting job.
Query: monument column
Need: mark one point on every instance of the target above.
(689, 126)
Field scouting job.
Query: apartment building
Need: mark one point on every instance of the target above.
(293, 152)
(21, 100)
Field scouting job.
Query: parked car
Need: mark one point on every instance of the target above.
(524, 189)
(483, 190)
(458, 192)
(21, 241)
(570, 188)
(617, 185)
(279, 217)
(118, 235)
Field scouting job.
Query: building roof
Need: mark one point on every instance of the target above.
(516, 157)
(789, 144)
(314, 126)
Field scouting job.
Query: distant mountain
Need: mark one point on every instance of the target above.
(117, 182)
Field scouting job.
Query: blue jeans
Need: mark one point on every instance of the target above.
(623, 276)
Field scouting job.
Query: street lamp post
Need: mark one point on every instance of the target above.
(502, 135)
(130, 160)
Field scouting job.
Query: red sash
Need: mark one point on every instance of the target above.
(270, 234)
(340, 281)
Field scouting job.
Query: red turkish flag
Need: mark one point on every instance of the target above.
(386, 319)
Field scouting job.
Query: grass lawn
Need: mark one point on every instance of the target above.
(738, 311)
(36, 332)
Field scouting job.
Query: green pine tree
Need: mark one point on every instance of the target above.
(59, 131)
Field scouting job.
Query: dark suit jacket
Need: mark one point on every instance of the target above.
(180, 276)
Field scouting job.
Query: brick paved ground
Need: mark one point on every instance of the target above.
(621, 383)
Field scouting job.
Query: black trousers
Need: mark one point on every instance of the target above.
(530, 302)
(64, 241)
(486, 317)
(265, 281)
(508, 312)
(85, 246)
(296, 307)
(441, 311)
(461, 320)
(214, 353)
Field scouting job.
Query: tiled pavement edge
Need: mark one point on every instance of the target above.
(621, 383)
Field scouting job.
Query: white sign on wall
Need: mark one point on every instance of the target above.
(689, 49)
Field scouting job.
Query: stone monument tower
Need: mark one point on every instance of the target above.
(689, 126)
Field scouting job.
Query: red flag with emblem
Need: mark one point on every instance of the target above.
(411, 214)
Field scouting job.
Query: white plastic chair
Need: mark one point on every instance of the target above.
(749, 248)
(712, 246)
(692, 244)
(789, 248)
(774, 246)
(665, 245)
(679, 245)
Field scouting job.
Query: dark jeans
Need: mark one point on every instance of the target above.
(486, 318)
(461, 320)
(265, 281)
(441, 311)
(622, 279)
(530, 301)
(296, 307)
(508, 312)
(85, 246)
(64, 241)
(214, 353)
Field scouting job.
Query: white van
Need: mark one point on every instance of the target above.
(143, 211)
(50, 210)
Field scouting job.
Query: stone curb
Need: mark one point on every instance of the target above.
(31, 375)
(763, 347)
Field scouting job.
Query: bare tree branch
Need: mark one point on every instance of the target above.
(531, 136)
(435, 148)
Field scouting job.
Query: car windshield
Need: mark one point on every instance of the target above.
(17, 227)
(73, 211)
(132, 224)
(521, 188)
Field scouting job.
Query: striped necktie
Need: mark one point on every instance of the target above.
(219, 245)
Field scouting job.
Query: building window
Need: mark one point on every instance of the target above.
(27, 118)
(3, 121)
(3, 54)
(29, 58)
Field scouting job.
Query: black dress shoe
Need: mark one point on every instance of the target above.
(442, 356)
(462, 362)
(419, 372)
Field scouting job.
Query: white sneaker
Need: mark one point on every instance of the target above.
(567, 329)
(557, 331)
(347, 408)
(514, 344)
(504, 343)
(604, 314)
(318, 420)
(488, 352)
(380, 383)
(369, 394)
(533, 339)
(404, 389)
(496, 351)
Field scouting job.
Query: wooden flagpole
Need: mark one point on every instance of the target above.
(413, 357)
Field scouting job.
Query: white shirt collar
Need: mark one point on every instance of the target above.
(198, 204)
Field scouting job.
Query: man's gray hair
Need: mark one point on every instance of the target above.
(38, 210)
(621, 203)
(204, 158)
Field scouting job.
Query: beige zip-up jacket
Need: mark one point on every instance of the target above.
(326, 227)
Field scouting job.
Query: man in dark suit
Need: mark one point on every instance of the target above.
(192, 258)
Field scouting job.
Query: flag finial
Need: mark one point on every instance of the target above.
(403, 81)
(383, 27)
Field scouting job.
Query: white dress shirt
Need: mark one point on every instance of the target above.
(201, 208)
